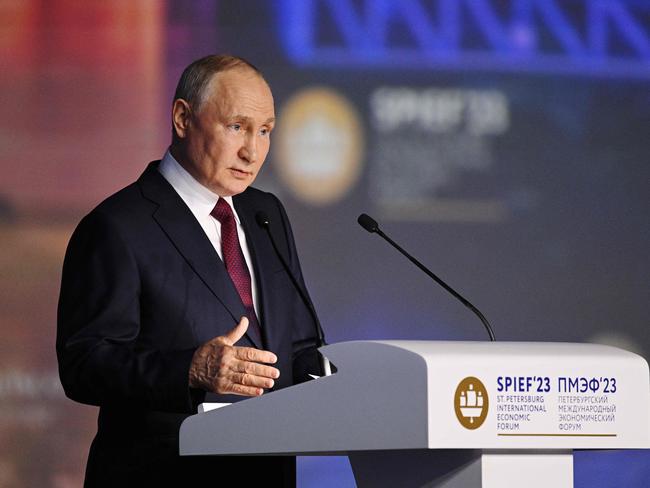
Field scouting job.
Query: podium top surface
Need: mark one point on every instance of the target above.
(526, 349)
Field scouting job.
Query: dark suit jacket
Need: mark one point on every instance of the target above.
(142, 288)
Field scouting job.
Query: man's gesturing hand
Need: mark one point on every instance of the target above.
(220, 367)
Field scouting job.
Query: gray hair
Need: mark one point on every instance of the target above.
(192, 85)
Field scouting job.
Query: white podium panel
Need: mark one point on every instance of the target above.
(537, 395)
(467, 402)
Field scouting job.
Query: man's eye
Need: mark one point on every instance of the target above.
(235, 127)
(264, 132)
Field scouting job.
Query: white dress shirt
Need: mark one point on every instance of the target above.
(201, 202)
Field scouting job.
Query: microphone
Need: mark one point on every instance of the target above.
(371, 225)
(263, 221)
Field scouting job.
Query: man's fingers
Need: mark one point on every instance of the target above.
(236, 332)
(255, 355)
(242, 384)
(256, 369)
(247, 379)
(246, 390)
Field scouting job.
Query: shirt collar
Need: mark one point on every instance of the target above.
(193, 193)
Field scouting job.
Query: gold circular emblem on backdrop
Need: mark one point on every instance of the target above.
(318, 144)
(471, 403)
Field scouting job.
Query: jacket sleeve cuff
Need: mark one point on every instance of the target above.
(183, 398)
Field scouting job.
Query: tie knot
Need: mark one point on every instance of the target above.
(222, 211)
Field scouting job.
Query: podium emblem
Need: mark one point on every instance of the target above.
(319, 146)
(471, 403)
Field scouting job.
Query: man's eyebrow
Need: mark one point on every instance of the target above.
(248, 119)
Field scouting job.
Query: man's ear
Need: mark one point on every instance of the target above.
(181, 117)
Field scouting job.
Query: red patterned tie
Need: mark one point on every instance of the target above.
(236, 264)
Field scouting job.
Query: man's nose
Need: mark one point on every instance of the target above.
(248, 151)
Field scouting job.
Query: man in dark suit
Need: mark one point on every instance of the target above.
(172, 294)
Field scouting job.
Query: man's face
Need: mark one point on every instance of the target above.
(225, 142)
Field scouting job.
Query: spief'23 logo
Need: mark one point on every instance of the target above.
(471, 403)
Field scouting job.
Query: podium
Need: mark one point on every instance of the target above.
(445, 414)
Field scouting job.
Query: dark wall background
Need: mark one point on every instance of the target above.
(504, 143)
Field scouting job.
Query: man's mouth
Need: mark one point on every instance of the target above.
(240, 172)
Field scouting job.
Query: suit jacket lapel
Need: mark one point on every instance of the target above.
(182, 228)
